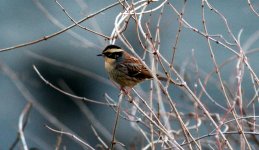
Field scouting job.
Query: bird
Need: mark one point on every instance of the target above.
(123, 68)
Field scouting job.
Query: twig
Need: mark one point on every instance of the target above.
(147, 11)
(66, 93)
(58, 142)
(252, 8)
(210, 98)
(99, 138)
(85, 10)
(178, 32)
(113, 142)
(66, 13)
(73, 136)
(23, 120)
(21, 125)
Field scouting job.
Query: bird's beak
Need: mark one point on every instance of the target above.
(100, 55)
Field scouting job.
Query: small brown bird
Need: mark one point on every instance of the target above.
(123, 68)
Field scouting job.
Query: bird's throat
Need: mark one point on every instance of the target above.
(109, 64)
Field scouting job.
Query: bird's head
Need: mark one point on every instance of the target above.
(112, 53)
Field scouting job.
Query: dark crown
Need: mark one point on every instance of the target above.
(111, 47)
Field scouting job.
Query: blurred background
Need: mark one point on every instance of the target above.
(69, 61)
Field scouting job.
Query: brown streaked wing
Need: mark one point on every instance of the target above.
(134, 68)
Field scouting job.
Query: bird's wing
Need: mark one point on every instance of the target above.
(134, 68)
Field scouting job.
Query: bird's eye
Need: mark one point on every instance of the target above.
(118, 54)
(113, 55)
(108, 54)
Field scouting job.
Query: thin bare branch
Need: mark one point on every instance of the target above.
(252, 8)
(64, 10)
(99, 138)
(113, 142)
(71, 135)
(66, 93)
